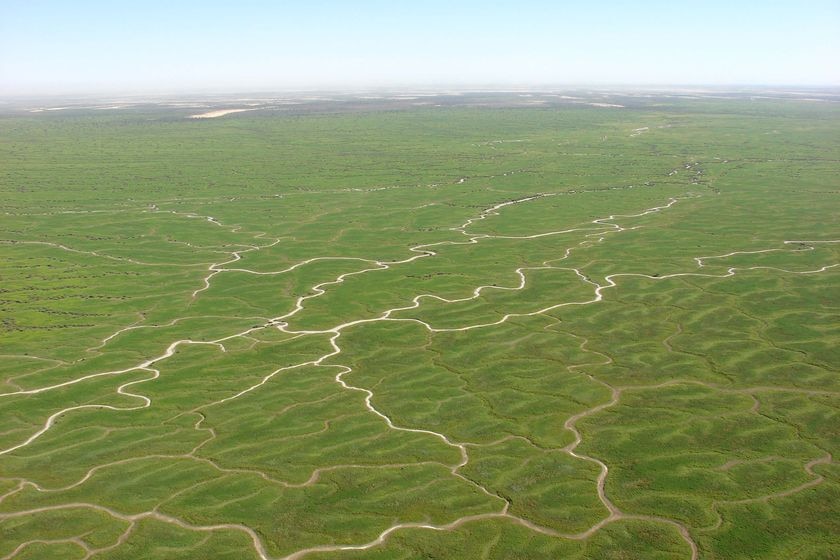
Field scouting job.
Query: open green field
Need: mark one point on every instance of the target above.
(445, 332)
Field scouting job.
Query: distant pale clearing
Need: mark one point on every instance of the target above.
(218, 113)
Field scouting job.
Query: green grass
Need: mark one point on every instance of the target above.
(710, 394)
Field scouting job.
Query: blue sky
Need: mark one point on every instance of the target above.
(75, 46)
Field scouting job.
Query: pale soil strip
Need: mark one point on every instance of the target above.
(13, 491)
(298, 265)
(425, 250)
(722, 389)
(258, 546)
(73, 540)
(666, 342)
(89, 552)
(171, 323)
(804, 246)
(570, 424)
(809, 469)
(615, 514)
(121, 390)
(220, 113)
(93, 253)
(144, 365)
(735, 462)
(235, 256)
(336, 332)
(28, 357)
(59, 212)
(314, 477)
(383, 536)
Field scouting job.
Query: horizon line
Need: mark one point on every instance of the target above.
(464, 87)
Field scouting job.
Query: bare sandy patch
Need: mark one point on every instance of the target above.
(218, 113)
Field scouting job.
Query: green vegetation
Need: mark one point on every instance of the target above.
(452, 332)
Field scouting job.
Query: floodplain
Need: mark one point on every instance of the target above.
(578, 325)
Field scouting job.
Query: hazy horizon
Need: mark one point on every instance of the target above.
(118, 48)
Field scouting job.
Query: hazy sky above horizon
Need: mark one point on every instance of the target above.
(154, 46)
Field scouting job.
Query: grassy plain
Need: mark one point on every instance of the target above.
(557, 331)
